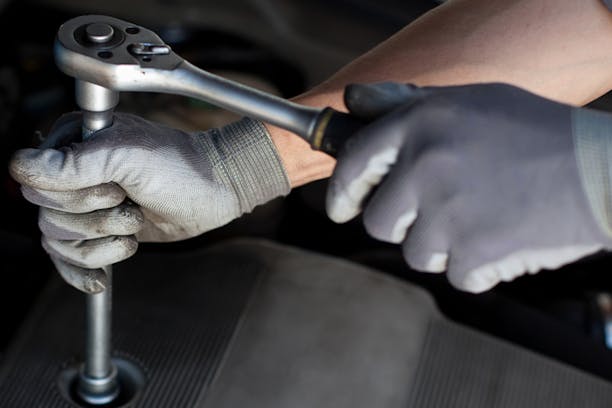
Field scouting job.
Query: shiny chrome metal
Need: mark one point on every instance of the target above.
(99, 33)
(98, 377)
(122, 68)
(95, 98)
(140, 49)
(188, 80)
(97, 383)
(93, 121)
(97, 361)
(98, 391)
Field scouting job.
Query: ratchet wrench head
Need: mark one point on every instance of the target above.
(111, 53)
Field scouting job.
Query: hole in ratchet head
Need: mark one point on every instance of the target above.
(132, 30)
(146, 59)
(105, 54)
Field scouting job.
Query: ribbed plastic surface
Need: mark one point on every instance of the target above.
(317, 332)
(173, 315)
(463, 368)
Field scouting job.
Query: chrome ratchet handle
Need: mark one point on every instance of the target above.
(135, 59)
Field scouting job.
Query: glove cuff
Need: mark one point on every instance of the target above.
(251, 163)
(592, 132)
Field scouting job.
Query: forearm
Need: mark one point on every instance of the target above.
(558, 49)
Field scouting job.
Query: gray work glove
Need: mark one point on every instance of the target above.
(179, 185)
(482, 181)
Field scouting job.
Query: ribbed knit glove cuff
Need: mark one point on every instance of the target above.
(593, 140)
(250, 163)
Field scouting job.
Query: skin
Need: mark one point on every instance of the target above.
(559, 49)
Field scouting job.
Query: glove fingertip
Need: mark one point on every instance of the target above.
(21, 163)
(90, 281)
(369, 101)
(475, 281)
(339, 206)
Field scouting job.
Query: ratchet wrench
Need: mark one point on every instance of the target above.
(127, 57)
(107, 56)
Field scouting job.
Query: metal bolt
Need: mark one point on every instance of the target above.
(99, 33)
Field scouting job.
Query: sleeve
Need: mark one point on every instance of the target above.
(592, 132)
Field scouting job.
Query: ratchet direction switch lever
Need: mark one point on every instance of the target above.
(136, 59)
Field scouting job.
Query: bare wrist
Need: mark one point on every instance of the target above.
(302, 164)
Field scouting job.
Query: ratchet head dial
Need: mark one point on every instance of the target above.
(110, 52)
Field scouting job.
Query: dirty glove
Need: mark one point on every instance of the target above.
(487, 182)
(179, 185)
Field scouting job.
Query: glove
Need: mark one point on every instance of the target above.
(179, 185)
(487, 182)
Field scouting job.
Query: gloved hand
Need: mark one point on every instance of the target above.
(179, 185)
(487, 182)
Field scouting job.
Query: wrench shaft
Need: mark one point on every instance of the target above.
(98, 337)
(98, 378)
(188, 80)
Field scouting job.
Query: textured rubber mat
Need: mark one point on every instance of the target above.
(463, 368)
(173, 316)
(323, 332)
(255, 324)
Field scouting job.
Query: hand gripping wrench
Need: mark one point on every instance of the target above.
(106, 56)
